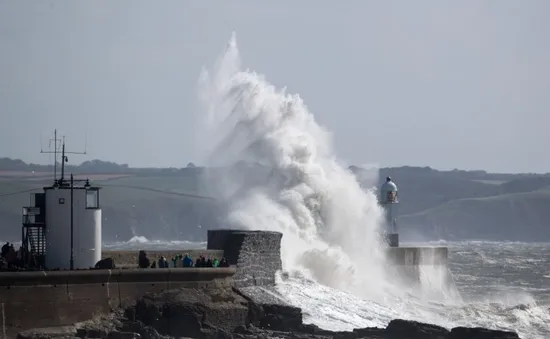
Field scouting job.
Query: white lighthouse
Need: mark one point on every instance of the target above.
(390, 202)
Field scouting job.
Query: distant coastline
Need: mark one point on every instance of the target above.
(175, 203)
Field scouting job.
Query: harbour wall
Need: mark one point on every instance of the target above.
(418, 256)
(59, 298)
(411, 264)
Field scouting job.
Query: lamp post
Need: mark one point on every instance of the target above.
(72, 223)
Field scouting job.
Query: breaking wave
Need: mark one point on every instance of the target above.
(331, 248)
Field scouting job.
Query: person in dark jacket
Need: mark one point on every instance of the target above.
(224, 262)
(5, 249)
(163, 263)
(187, 261)
(143, 261)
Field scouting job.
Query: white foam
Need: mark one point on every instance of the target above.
(142, 243)
(330, 223)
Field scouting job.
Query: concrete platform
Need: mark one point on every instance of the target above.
(417, 256)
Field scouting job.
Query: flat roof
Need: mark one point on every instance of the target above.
(90, 188)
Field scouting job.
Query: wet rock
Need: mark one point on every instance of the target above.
(480, 333)
(192, 312)
(92, 333)
(123, 335)
(49, 332)
(146, 332)
(105, 264)
(226, 314)
(370, 332)
(281, 318)
(415, 330)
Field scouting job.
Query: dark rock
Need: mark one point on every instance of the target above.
(227, 314)
(146, 332)
(255, 313)
(281, 318)
(105, 264)
(48, 333)
(480, 333)
(240, 329)
(123, 335)
(92, 333)
(81, 333)
(415, 330)
(214, 333)
(371, 332)
(187, 312)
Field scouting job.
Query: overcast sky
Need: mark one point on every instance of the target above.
(447, 84)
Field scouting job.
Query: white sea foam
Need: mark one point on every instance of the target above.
(509, 305)
(330, 223)
(140, 242)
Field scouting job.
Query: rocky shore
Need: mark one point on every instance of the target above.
(234, 313)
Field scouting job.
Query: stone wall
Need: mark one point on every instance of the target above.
(59, 298)
(256, 254)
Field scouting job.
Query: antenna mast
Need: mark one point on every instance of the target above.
(55, 140)
(64, 158)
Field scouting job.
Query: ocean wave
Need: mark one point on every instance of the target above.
(338, 310)
(142, 243)
(504, 305)
(331, 249)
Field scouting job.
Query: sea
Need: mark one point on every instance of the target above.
(502, 285)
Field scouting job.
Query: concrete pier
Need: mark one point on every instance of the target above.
(413, 265)
(418, 256)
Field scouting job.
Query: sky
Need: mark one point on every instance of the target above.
(445, 84)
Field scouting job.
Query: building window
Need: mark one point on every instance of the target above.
(92, 199)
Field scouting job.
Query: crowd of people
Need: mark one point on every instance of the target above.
(10, 257)
(21, 259)
(180, 261)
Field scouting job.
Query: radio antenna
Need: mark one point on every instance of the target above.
(64, 158)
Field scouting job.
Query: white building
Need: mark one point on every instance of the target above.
(64, 226)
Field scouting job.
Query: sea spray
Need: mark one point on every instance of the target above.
(330, 223)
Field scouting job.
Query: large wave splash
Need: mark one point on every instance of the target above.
(330, 224)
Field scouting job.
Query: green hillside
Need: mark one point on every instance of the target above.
(513, 216)
(174, 204)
